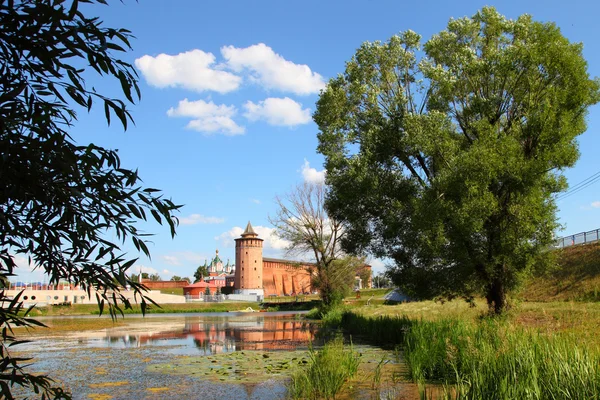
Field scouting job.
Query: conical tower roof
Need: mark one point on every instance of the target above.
(249, 232)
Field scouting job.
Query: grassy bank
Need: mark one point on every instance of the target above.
(92, 309)
(573, 276)
(483, 358)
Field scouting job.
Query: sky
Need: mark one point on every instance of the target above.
(228, 90)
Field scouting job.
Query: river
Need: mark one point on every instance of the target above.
(184, 356)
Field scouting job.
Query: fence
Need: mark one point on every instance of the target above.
(213, 298)
(578, 238)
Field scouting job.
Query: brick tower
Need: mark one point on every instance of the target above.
(249, 263)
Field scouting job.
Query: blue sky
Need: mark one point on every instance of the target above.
(228, 89)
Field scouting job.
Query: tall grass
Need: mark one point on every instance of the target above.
(488, 359)
(327, 371)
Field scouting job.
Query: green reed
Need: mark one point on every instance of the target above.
(327, 371)
(488, 359)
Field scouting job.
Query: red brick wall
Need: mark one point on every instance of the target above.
(164, 284)
(280, 277)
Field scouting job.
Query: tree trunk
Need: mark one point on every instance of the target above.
(496, 296)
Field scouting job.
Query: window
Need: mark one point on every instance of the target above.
(32, 297)
(25, 297)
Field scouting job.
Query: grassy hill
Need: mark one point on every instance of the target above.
(575, 276)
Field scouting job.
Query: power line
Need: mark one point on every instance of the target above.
(580, 186)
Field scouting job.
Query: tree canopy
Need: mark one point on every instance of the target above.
(445, 158)
(200, 273)
(61, 202)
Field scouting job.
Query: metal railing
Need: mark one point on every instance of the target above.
(578, 238)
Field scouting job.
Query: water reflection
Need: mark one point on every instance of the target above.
(218, 334)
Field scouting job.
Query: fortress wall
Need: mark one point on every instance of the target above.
(285, 277)
(164, 284)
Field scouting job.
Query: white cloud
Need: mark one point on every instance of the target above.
(278, 112)
(180, 257)
(23, 264)
(595, 204)
(271, 241)
(171, 260)
(208, 117)
(194, 219)
(311, 175)
(255, 201)
(271, 70)
(191, 70)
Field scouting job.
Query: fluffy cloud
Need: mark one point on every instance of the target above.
(278, 112)
(595, 204)
(181, 257)
(271, 70)
(171, 260)
(200, 219)
(191, 70)
(271, 241)
(208, 117)
(311, 175)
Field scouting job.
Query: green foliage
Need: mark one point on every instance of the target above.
(447, 164)
(477, 360)
(60, 201)
(154, 277)
(177, 278)
(381, 281)
(326, 373)
(227, 290)
(200, 273)
(336, 281)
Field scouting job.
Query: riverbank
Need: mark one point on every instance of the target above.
(196, 307)
(453, 350)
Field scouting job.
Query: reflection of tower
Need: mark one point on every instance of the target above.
(249, 263)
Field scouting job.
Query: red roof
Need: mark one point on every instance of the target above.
(201, 284)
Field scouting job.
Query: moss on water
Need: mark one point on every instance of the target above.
(108, 384)
(241, 367)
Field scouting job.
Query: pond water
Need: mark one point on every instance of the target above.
(183, 356)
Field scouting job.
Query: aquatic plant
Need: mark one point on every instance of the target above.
(486, 359)
(326, 372)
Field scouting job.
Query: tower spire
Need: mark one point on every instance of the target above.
(249, 231)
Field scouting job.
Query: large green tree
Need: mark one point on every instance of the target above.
(445, 158)
(62, 202)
